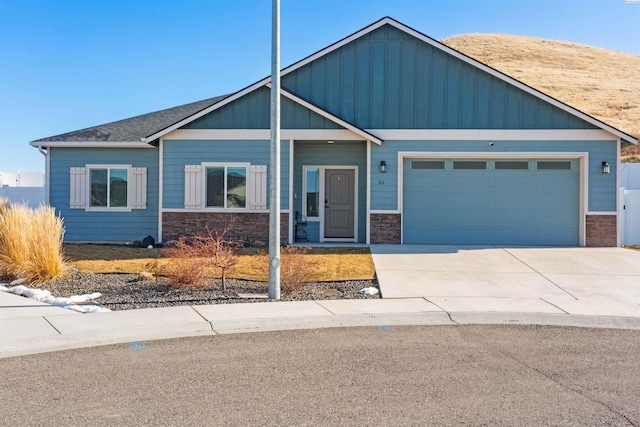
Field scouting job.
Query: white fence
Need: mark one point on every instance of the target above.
(32, 196)
(630, 203)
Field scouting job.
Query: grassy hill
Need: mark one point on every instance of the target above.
(602, 83)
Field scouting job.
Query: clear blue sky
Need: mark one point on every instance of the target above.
(70, 64)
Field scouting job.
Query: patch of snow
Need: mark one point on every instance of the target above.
(45, 296)
(369, 291)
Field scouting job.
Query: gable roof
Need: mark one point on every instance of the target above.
(133, 128)
(420, 36)
(150, 127)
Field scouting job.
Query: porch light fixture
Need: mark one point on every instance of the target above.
(383, 166)
(606, 167)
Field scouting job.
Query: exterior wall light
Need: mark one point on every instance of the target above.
(383, 166)
(606, 167)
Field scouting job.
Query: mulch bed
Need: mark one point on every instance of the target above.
(130, 291)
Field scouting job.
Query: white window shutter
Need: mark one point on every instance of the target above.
(257, 188)
(138, 188)
(192, 187)
(78, 188)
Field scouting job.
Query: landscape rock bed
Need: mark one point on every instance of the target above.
(122, 291)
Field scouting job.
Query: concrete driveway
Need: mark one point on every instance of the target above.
(574, 280)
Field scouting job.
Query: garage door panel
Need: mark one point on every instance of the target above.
(489, 206)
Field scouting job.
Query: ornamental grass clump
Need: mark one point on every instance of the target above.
(30, 243)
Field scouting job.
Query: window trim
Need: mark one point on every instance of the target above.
(109, 166)
(225, 165)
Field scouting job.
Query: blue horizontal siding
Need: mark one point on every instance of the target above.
(104, 226)
(346, 153)
(391, 80)
(178, 153)
(602, 187)
(252, 111)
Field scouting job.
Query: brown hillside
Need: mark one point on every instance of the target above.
(602, 83)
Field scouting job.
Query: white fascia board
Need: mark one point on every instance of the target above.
(363, 133)
(90, 144)
(493, 135)
(263, 134)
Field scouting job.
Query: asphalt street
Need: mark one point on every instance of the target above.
(396, 375)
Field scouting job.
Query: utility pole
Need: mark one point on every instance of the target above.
(274, 181)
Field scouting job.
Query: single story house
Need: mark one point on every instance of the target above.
(388, 136)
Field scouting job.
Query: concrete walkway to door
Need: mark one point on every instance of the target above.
(573, 280)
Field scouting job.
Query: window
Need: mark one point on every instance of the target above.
(427, 164)
(312, 192)
(226, 187)
(108, 187)
(469, 165)
(98, 187)
(512, 165)
(554, 165)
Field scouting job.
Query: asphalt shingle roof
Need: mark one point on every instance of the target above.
(134, 128)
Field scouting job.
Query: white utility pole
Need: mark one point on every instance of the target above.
(274, 165)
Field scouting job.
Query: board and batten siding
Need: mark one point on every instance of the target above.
(602, 187)
(251, 111)
(388, 79)
(179, 153)
(81, 225)
(340, 153)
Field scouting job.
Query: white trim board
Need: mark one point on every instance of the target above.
(264, 135)
(493, 135)
(91, 144)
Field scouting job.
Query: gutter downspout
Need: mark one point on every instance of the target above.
(47, 159)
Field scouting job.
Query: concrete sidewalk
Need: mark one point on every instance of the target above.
(420, 285)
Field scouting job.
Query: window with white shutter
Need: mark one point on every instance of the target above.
(98, 187)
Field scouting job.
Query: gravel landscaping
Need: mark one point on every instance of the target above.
(131, 291)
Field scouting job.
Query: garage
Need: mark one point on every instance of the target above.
(499, 201)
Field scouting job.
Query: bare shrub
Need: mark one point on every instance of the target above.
(192, 258)
(184, 269)
(295, 268)
(31, 243)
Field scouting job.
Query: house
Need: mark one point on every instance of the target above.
(388, 136)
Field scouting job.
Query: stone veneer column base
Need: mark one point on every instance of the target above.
(601, 230)
(251, 227)
(386, 229)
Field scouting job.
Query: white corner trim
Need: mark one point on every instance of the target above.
(160, 187)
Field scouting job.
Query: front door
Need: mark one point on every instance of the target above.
(339, 206)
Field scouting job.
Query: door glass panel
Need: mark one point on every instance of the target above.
(313, 192)
(469, 165)
(554, 165)
(427, 164)
(512, 165)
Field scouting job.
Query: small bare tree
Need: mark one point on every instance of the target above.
(219, 249)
